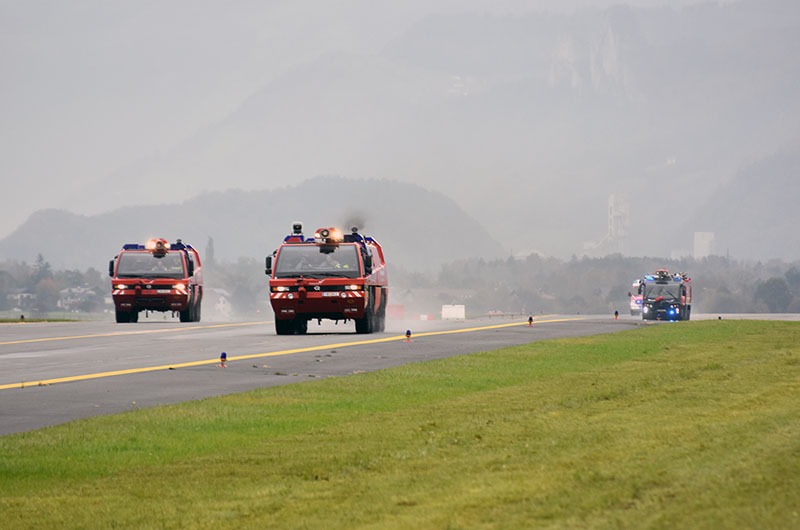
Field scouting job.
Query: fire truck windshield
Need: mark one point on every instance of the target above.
(147, 265)
(670, 291)
(317, 261)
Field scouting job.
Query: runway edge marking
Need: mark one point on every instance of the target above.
(129, 371)
(138, 332)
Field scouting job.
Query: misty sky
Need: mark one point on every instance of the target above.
(91, 87)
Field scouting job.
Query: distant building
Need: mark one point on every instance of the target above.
(703, 244)
(616, 239)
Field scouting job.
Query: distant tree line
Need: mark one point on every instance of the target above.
(36, 287)
(601, 285)
(534, 284)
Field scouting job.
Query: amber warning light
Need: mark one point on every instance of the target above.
(157, 246)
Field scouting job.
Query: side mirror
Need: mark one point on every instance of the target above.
(268, 266)
(368, 264)
(629, 293)
(190, 268)
(111, 268)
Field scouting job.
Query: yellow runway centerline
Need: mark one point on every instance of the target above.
(140, 332)
(267, 354)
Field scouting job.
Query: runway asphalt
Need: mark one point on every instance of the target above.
(57, 372)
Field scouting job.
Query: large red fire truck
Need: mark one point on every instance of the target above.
(332, 275)
(156, 276)
(666, 296)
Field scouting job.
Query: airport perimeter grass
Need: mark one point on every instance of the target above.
(687, 425)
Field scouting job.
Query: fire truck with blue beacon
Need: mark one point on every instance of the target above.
(666, 296)
(330, 276)
(156, 276)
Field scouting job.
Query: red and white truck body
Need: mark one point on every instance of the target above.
(329, 276)
(156, 276)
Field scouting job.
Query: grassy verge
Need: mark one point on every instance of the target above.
(693, 425)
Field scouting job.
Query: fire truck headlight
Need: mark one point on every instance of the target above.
(280, 289)
(645, 309)
(352, 287)
(121, 286)
(179, 286)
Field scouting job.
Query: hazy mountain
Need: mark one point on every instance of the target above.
(528, 121)
(756, 214)
(419, 229)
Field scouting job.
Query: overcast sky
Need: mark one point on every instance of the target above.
(90, 87)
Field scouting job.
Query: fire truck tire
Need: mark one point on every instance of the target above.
(123, 316)
(187, 314)
(382, 313)
(134, 316)
(197, 312)
(284, 327)
(300, 326)
(364, 325)
(367, 323)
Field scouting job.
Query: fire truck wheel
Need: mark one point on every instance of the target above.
(382, 313)
(367, 323)
(134, 316)
(123, 316)
(284, 327)
(197, 312)
(364, 325)
(300, 326)
(187, 314)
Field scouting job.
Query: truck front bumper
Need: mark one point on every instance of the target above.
(335, 305)
(152, 300)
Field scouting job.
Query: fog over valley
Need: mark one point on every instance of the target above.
(510, 128)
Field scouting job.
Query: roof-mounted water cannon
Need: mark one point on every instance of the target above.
(328, 236)
(158, 247)
(663, 275)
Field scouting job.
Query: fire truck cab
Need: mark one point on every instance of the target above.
(331, 276)
(666, 296)
(156, 276)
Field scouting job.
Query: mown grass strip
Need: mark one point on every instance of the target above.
(686, 425)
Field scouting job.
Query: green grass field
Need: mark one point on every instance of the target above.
(686, 425)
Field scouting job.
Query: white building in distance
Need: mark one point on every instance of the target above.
(703, 244)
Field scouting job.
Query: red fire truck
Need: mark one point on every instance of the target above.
(666, 296)
(156, 276)
(332, 275)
